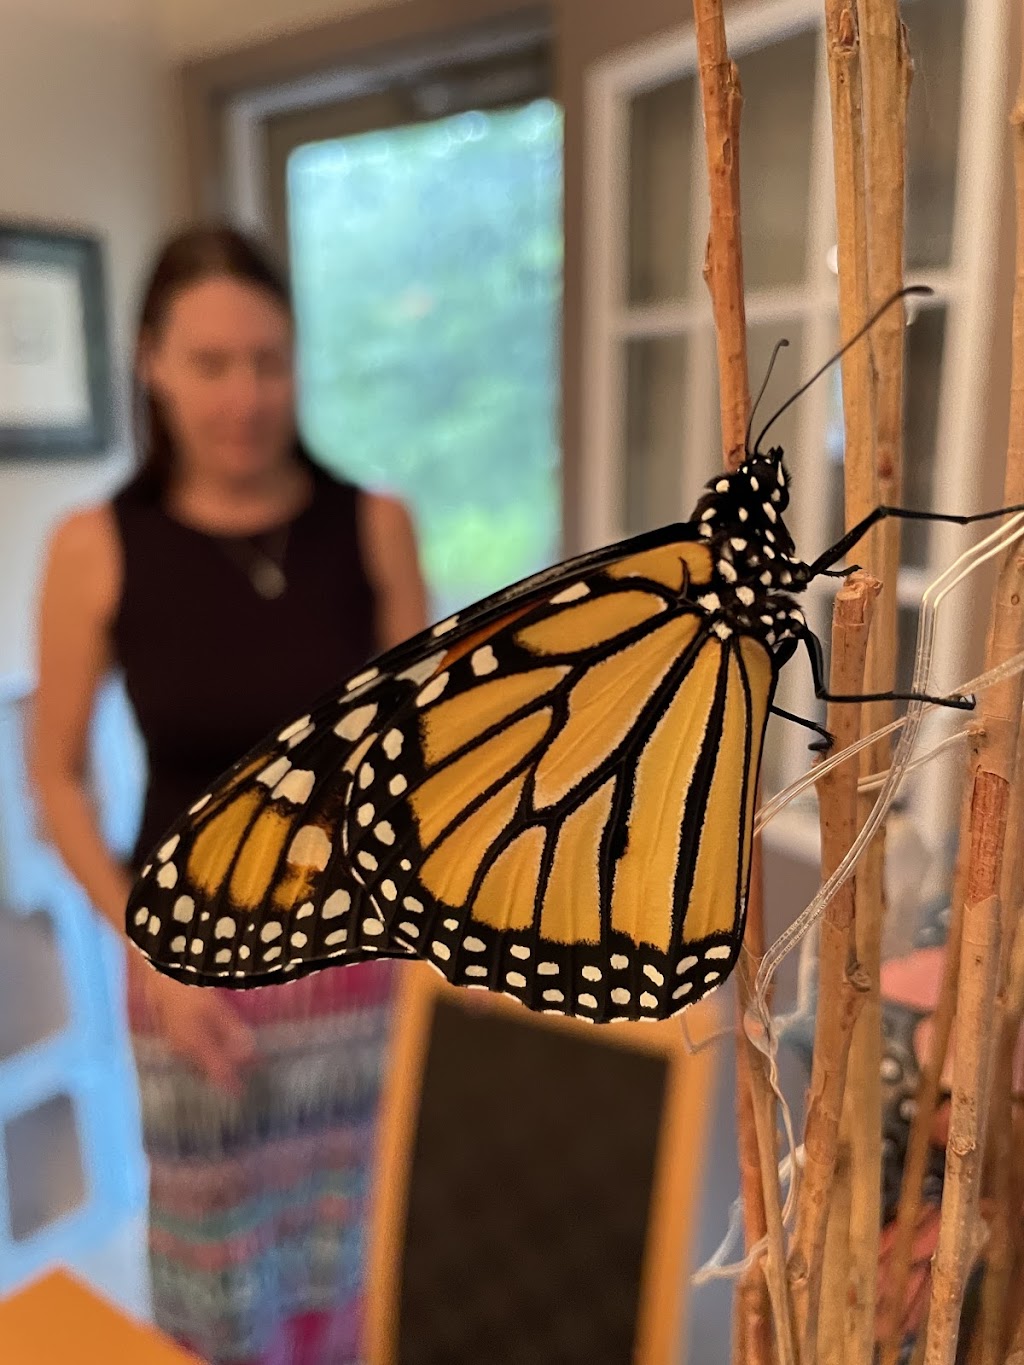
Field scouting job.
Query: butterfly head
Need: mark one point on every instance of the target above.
(750, 501)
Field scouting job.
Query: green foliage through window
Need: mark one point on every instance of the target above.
(427, 267)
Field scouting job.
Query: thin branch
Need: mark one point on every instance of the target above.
(959, 1232)
(722, 103)
(926, 1102)
(887, 70)
(840, 982)
(980, 954)
(1004, 1221)
(831, 1338)
(752, 1328)
(723, 268)
(863, 1089)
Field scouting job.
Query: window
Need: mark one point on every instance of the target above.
(651, 434)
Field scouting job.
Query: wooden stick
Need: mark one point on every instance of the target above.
(1016, 1356)
(1004, 1221)
(863, 1089)
(832, 1317)
(840, 982)
(722, 103)
(843, 46)
(763, 1104)
(980, 954)
(926, 1103)
(752, 1328)
(958, 1230)
(723, 267)
(887, 69)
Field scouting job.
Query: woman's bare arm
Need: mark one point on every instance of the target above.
(80, 590)
(393, 566)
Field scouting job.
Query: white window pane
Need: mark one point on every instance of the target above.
(925, 337)
(936, 29)
(775, 158)
(661, 182)
(655, 378)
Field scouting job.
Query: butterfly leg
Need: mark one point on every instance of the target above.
(813, 646)
(836, 552)
(821, 745)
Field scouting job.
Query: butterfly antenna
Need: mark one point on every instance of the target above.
(921, 290)
(757, 401)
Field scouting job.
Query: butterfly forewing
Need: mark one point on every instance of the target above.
(550, 796)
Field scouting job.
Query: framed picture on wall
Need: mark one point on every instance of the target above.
(55, 382)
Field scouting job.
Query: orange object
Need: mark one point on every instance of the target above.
(57, 1320)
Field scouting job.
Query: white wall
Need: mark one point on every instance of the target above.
(190, 28)
(88, 136)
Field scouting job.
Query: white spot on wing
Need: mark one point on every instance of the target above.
(393, 741)
(184, 909)
(483, 661)
(301, 736)
(356, 723)
(433, 690)
(293, 729)
(572, 594)
(420, 672)
(296, 786)
(273, 773)
(203, 801)
(225, 927)
(167, 876)
(168, 848)
(361, 680)
(310, 848)
(336, 904)
(445, 626)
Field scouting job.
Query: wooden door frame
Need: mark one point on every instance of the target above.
(376, 37)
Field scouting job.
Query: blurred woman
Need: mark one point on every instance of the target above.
(232, 581)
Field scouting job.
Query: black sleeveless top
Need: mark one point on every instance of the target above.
(210, 666)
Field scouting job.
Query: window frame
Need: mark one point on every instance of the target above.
(964, 289)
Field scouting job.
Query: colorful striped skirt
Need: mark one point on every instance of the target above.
(258, 1203)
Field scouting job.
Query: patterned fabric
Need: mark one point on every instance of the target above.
(258, 1203)
(257, 1214)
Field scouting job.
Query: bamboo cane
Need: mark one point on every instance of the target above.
(981, 952)
(840, 982)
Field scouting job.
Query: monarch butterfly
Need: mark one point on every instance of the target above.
(550, 794)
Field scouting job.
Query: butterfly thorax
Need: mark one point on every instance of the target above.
(755, 566)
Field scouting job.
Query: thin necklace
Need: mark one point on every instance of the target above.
(263, 565)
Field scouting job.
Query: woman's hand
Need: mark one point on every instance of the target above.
(200, 1027)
